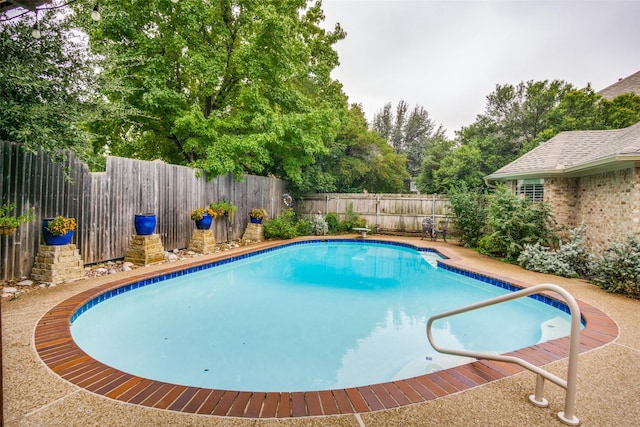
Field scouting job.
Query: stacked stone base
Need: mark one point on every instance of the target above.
(253, 233)
(202, 242)
(145, 250)
(58, 264)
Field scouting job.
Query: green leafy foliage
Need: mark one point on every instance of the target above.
(12, 221)
(236, 86)
(351, 220)
(517, 118)
(618, 269)
(333, 223)
(470, 209)
(409, 132)
(434, 154)
(281, 227)
(514, 222)
(571, 259)
(356, 160)
(47, 87)
(224, 208)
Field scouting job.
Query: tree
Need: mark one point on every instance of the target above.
(357, 159)
(515, 115)
(228, 86)
(46, 87)
(583, 109)
(408, 132)
(518, 118)
(434, 153)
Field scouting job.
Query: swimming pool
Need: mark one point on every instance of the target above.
(57, 350)
(326, 315)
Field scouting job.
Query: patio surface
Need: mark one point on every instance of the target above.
(608, 379)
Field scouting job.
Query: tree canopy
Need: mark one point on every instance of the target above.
(46, 86)
(516, 119)
(228, 86)
(358, 159)
(408, 131)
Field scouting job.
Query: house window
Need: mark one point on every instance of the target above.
(532, 189)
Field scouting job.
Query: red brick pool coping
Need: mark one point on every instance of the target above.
(57, 349)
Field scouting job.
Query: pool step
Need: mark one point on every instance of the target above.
(431, 258)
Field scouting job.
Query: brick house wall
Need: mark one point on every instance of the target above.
(608, 203)
(563, 197)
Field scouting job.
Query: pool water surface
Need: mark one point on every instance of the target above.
(318, 316)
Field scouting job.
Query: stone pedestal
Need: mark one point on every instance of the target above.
(254, 233)
(57, 264)
(202, 242)
(145, 250)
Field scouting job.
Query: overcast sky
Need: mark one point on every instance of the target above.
(447, 56)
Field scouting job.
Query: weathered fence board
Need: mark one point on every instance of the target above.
(104, 203)
(384, 212)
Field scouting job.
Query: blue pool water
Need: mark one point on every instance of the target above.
(307, 317)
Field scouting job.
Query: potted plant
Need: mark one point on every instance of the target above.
(9, 223)
(224, 208)
(203, 217)
(58, 231)
(256, 215)
(227, 210)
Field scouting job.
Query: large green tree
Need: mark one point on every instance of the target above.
(238, 86)
(515, 115)
(518, 118)
(357, 159)
(46, 86)
(408, 131)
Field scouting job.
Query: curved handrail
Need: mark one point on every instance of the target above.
(567, 416)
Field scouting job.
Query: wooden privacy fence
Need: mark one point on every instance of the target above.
(402, 213)
(104, 203)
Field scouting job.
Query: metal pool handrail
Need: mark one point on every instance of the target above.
(567, 416)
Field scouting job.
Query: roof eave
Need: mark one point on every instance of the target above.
(618, 162)
(523, 175)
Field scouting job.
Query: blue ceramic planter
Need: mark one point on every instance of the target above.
(52, 240)
(255, 220)
(145, 224)
(204, 223)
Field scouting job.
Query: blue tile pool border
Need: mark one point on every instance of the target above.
(178, 273)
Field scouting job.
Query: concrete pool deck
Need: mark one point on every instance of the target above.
(608, 379)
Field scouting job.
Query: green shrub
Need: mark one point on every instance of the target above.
(470, 209)
(351, 220)
(332, 222)
(618, 269)
(571, 259)
(514, 222)
(304, 227)
(281, 227)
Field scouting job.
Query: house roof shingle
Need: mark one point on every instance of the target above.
(629, 84)
(573, 151)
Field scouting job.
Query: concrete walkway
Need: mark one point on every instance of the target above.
(608, 386)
